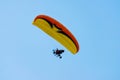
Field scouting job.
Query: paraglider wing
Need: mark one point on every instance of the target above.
(57, 31)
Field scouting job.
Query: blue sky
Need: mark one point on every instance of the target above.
(26, 51)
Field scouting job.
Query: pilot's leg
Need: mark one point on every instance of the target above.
(60, 57)
(62, 50)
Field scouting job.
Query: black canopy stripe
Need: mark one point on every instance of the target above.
(59, 30)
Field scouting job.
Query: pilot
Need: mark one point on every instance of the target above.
(58, 52)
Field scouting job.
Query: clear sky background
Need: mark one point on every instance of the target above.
(26, 51)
